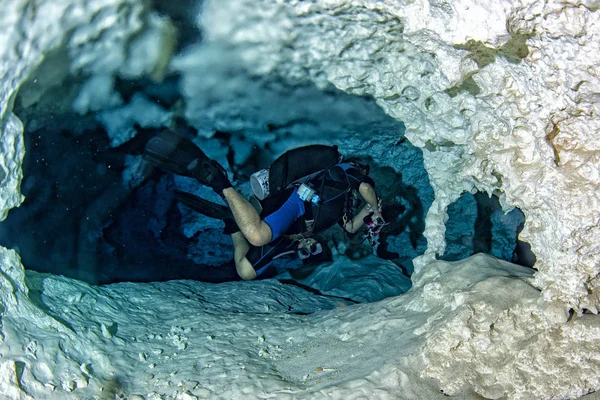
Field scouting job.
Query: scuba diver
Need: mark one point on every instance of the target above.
(305, 191)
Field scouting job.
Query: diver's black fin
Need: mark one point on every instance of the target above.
(174, 153)
(204, 207)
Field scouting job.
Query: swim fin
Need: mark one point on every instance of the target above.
(210, 209)
(174, 153)
(203, 206)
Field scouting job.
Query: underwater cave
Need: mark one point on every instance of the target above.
(95, 211)
(141, 290)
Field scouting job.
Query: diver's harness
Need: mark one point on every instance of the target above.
(306, 245)
(309, 194)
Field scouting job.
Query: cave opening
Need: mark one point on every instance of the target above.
(100, 214)
(97, 212)
(477, 224)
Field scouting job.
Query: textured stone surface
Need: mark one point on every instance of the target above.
(501, 141)
(66, 339)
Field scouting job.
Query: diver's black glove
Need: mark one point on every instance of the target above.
(210, 173)
(220, 182)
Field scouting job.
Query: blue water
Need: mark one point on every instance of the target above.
(80, 219)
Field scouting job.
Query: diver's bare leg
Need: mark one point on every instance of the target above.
(256, 231)
(242, 265)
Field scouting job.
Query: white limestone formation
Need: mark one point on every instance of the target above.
(501, 97)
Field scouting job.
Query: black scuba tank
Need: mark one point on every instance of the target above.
(300, 165)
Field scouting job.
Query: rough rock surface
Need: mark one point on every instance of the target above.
(495, 106)
(501, 96)
(508, 139)
(64, 339)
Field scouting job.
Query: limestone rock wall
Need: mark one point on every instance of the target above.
(528, 134)
(501, 98)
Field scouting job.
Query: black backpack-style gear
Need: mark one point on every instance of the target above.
(301, 165)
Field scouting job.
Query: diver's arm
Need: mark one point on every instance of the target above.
(357, 222)
(368, 193)
(373, 206)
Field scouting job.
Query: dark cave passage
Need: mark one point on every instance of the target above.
(95, 211)
(477, 224)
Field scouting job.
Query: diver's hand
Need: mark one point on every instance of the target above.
(378, 213)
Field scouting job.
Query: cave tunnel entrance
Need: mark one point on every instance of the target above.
(477, 224)
(95, 211)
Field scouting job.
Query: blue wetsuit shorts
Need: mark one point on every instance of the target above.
(279, 222)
